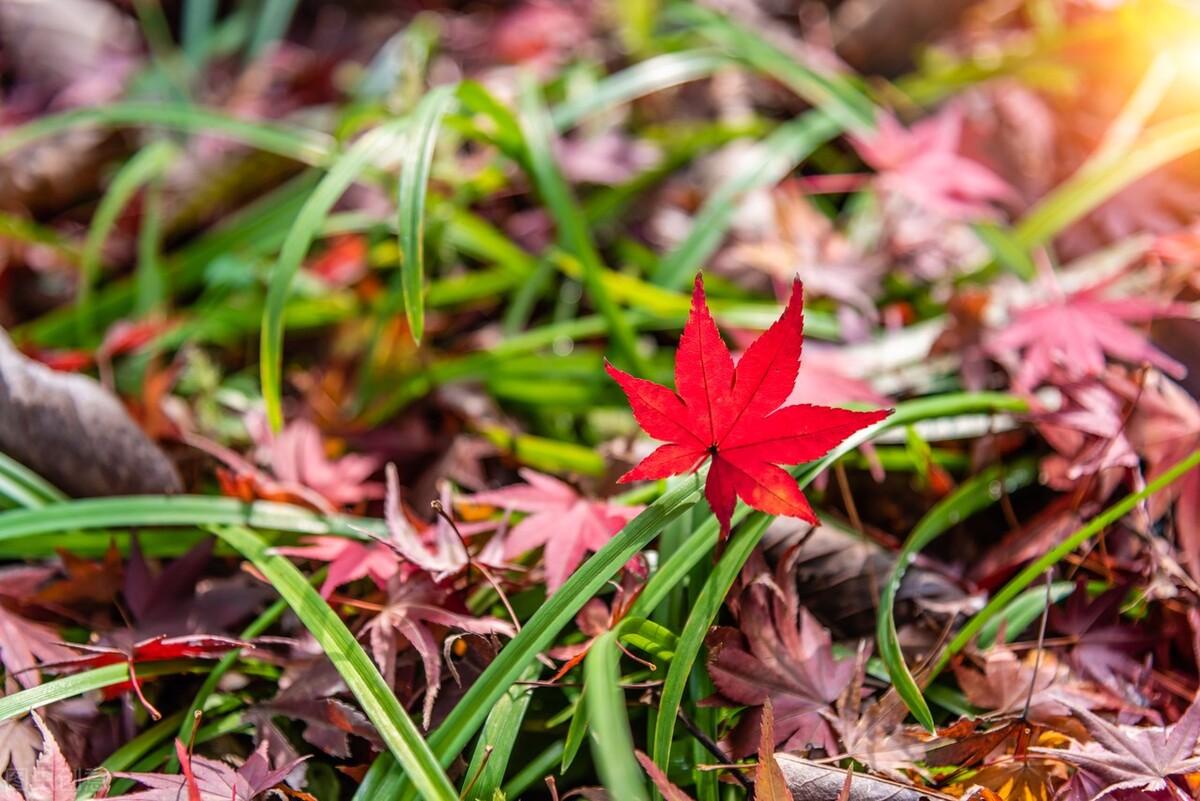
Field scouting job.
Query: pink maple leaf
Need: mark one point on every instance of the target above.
(50, 779)
(1073, 335)
(923, 163)
(296, 455)
(568, 524)
(434, 548)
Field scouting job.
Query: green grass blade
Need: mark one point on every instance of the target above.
(149, 511)
(499, 734)
(1016, 585)
(643, 78)
(612, 741)
(24, 487)
(704, 611)
(25, 701)
(299, 238)
(199, 17)
(773, 159)
(150, 278)
(273, 20)
(1018, 615)
(841, 99)
(972, 496)
(147, 163)
(573, 229)
(1087, 189)
(309, 147)
(356, 668)
(414, 183)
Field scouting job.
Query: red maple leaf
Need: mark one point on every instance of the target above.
(731, 415)
(154, 649)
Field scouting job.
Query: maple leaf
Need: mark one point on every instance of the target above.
(805, 245)
(568, 524)
(24, 644)
(731, 416)
(49, 779)
(1074, 334)
(923, 163)
(788, 660)
(160, 648)
(296, 455)
(1087, 432)
(1165, 428)
(1003, 685)
(208, 779)
(1127, 762)
(1103, 646)
(412, 607)
(435, 548)
(668, 789)
(769, 782)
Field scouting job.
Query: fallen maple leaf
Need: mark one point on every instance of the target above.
(788, 661)
(1073, 335)
(559, 518)
(413, 606)
(923, 163)
(51, 778)
(732, 416)
(434, 548)
(208, 780)
(1003, 685)
(24, 643)
(769, 782)
(296, 455)
(155, 649)
(1128, 762)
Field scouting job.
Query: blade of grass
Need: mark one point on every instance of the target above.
(299, 237)
(644, 78)
(24, 487)
(150, 278)
(1018, 615)
(1034, 570)
(307, 146)
(199, 16)
(89, 514)
(273, 20)
(772, 159)
(377, 700)
(25, 701)
(612, 741)
(837, 96)
(255, 230)
(490, 760)
(1087, 189)
(573, 229)
(974, 495)
(147, 163)
(414, 183)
